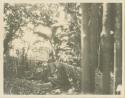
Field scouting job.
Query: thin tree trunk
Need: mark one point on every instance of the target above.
(107, 48)
(118, 43)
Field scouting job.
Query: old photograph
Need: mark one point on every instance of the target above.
(63, 48)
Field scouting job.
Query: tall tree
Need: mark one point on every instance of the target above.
(118, 44)
(85, 83)
(94, 29)
(89, 45)
(107, 47)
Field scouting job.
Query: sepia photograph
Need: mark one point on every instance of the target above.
(63, 48)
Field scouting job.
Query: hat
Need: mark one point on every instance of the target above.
(43, 31)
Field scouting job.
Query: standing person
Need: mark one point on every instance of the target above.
(41, 49)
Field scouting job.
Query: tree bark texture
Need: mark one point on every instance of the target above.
(107, 47)
(89, 46)
(118, 43)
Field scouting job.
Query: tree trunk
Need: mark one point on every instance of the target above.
(118, 44)
(89, 46)
(85, 83)
(94, 29)
(107, 47)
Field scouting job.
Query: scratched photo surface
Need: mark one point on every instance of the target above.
(62, 48)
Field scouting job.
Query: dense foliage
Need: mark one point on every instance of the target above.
(64, 20)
